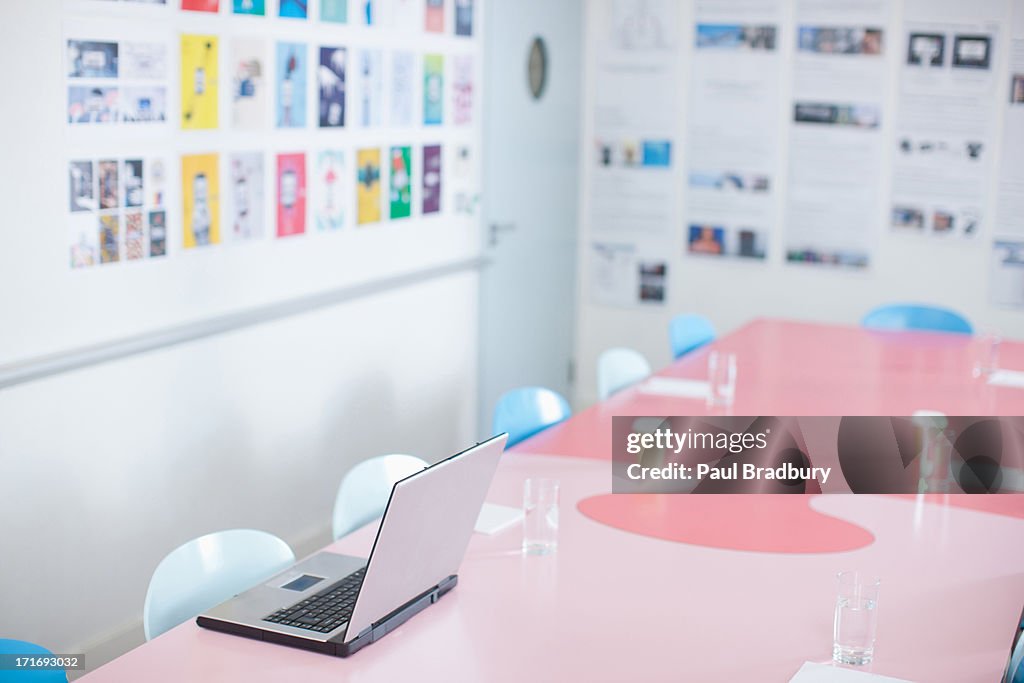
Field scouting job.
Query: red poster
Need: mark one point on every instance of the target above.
(201, 5)
(291, 194)
(435, 16)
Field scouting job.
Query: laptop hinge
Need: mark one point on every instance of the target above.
(382, 627)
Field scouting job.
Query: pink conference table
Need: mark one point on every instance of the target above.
(620, 601)
(793, 368)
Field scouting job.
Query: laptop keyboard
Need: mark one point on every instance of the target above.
(324, 611)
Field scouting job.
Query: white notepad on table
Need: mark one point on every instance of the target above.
(826, 673)
(1007, 378)
(672, 386)
(494, 518)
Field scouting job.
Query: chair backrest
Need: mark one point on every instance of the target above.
(688, 332)
(618, 368)
(916, 317)
(365, 490)
(525, 411)
(21, 647)
(1015, 669)
(208, 570)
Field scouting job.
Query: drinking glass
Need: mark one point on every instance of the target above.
(985, 348)
(721, 379)
(540, 516)
(853, 632)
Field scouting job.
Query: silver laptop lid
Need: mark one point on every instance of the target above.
(426, 528)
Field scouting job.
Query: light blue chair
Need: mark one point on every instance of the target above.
(688, 332)
(20, 647)
(365, 490)
(899, 317)
(208, 570)
(1015, 669)
(525, 411)
(618, 368)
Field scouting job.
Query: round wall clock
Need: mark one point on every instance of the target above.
(537, 67)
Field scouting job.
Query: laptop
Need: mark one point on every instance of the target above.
(337, 604)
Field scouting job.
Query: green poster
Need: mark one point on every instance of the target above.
(433, 89)
(334, 10)
(401, 182)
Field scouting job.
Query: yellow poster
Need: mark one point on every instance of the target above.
(368, 186)
(198, 82)
(200, 192)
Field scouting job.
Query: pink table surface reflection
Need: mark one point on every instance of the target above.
(614, 605)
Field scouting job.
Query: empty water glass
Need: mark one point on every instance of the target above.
(721, 379)
(985, 348)
(540, 516)
(856, 619)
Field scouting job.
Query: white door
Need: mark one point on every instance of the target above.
(531, 162)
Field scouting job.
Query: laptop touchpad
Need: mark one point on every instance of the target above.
(303, 582)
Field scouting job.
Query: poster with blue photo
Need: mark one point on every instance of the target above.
(656, 153)
(256, 8)
(291, 85)
(371, 86)
(294, 9)
(334, 10)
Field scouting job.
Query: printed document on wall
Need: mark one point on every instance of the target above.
(1007, 284)
(733, 151)
(632, 179)
(1010, 192)
(1008, 273)
(636, 74)
(620, 275)
(836, 140)
(947, 116)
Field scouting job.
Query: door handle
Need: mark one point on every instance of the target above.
(496, 229)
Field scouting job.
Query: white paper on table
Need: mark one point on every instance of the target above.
(1007, 378)
(494, 518)
(826, 673)
(671, 386)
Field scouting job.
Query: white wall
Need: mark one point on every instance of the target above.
(730, 293)
(107, 469)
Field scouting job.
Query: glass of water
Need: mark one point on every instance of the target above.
(540, 516)
(721, 379)
(853, 633)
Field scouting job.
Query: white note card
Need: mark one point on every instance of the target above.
(1007, 378)
(827, 673)
(494, 518)
(679, 388)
